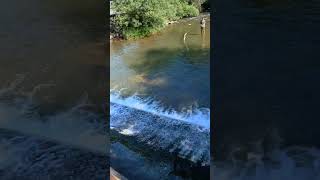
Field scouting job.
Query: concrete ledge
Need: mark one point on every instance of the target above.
(114, 175)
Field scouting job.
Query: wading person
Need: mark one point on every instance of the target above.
(202, 26)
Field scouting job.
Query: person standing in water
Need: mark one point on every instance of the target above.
(202, 26)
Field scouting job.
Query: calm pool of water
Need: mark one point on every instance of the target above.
(164, 68)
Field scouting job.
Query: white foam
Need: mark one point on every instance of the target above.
(186, 134)
(199, 116)
(127, 132)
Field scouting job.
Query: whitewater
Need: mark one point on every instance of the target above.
(185, 133)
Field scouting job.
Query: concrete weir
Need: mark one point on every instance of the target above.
(187, 140)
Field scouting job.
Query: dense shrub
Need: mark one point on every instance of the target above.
(139, 18)
(190, 11)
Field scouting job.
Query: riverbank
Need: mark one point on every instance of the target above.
(116, 36)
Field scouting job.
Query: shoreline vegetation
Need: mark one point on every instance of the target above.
(134, 19)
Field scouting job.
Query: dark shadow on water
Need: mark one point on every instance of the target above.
(266, 74)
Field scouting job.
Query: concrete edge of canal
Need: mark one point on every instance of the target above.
(114, 175)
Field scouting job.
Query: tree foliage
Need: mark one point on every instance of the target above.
(139, 18)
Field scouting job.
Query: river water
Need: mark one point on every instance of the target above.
(53, 76)
(160, 99)
(266, 94)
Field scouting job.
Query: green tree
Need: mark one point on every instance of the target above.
(139, 18)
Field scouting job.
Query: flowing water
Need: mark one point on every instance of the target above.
(160, 96)
(266, 90)
(52, 89)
